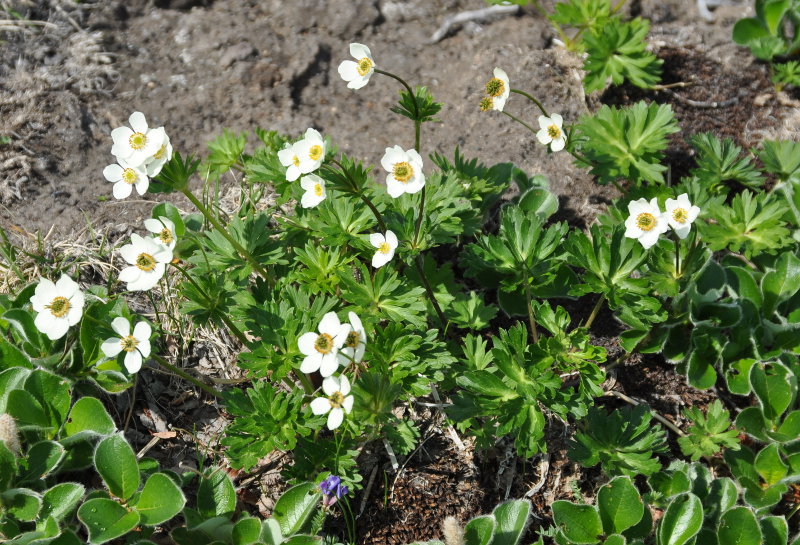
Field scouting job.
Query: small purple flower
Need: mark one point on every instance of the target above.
(332, 490)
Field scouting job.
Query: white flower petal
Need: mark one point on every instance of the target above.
(335, 418)
(557, 120)
(121, 326)
(543, 137)
(359, 51)
(376, 239)
(558, 144)
(129, 274)
(544, 122)
(344, 385)
(57, 329)
(133, 361)
(320, 405)
(649, 238)
(113, 173)
(111, 347)
(144, 348)
(44, 321)
(391, 239)
(329, 364)
(121, 190)
(306, 343)
(142, 332)
(330, 386)
(330, 324)
(348, 70)
(66, 286)
(311, 363)
(380, 259)
(138, 122)
(347, 405)
(393, 187)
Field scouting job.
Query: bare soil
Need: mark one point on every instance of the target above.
(198, 67)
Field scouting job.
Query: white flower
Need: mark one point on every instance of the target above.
(311, 151)
(550, 132)
(357, 73)
(315, 190)
(355, 341)
(288, 158)
(680, 214)
(646, 222)
(405, 171)
(59, 305)
(164, 230)
(125, 177)
(148, 261)
(138, 145)
(337, 400)
(498, 88)
(386, 246)
(160, 157)
(320, 348)
(135, 345)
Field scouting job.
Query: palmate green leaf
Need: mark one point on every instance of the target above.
(753, 224)
(470, 312)
(418, 107)
(224, 152)
(175, 174)
(720, 161)
(403, 435)
(589, 14)
(384, 296)
(781, 158)
(708, 433)
(338, 221)
(265, 420)
(627, 143)
(618, 52)
(321, 268)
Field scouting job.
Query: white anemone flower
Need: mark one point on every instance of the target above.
(355, 342)
(160, 157)
(320, 349)
(288, 158)
(148, 261)
(311, 151)
(498, 88)
(315, 190)
(125, 177)
(138, 144)
(136, 345)
(646, 222)
(550, 132)
(680, 214)
(59, 305)
(336, 401)
(386, 245)
(357, 73)
(164, 229)
(405, 171)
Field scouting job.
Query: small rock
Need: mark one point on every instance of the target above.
(238, 52)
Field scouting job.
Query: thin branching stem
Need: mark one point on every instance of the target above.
(421, 270)
(357, 190)
(186, 376)
(595, 311)
(532, 99)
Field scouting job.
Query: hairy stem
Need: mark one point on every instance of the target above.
(595, 311)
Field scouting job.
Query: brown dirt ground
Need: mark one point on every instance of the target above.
(200, 66)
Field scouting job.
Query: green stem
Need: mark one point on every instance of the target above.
(420, 214)
(531, 318)
(529, 97)
(186, 376)
(786, 193)
(677, 257)
(219, 227)
(224, 317)
(305, 381)
(406, 85)
(595, 311)
(364, 198)
(521, 122)
(429, 291)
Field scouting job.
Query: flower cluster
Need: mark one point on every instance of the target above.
(141, 152)
(59, 306)
(332, 490)
(647, 222)
(497, 90)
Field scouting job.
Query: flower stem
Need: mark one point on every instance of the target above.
(364, 198)
(518, 120)
(224, 317)
(529, 97)
(224, 232)
(595, 311)
(417, 120)
(531, 318)
(677, 258)
(186, 376)
(429, 291)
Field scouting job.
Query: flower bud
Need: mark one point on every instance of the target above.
(9, 434)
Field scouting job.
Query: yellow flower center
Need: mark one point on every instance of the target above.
(495, 87)
(146, 262)
(680, 215)
(58, 307)
(486, 103)
(129, 176)
(402, 172)
(137, 140)
(554, 132)
(352, 339)
(336, 400)
(384, 248)
(315, 152)
(318, 190)
(364, 66)
(296, 161)
(645, 221)
(165, 236)
(324, 343)
(162, 151)
(128, 343)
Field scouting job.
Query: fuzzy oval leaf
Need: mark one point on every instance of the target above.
(160, 500)
(216, 495)
(774, 530)
(89, 414)
(775, 387)
(738, 526)
(511, 518)
(60, 500)
(615, 539)
(295, 507)
(480, 530)
(580, 523)
(620, 505)
(539, 201)
(769, 465)
(246, 531)
(116, 464)
(43, 457)
(681, 521)
(106, 519)
(21, 503)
